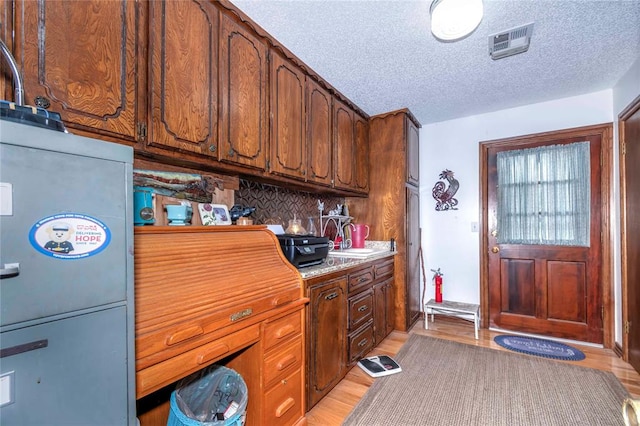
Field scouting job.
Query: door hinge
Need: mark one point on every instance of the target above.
(142, 131)
(602, 312)
(623, 148)
(627, 327)
(268, 164)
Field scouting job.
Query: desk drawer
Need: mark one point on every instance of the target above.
(282, 362)
(282, 329)
(155, 377)
(284, 402)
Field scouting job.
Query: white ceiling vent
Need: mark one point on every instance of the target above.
(510, 42)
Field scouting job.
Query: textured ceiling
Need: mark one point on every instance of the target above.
(382, 56)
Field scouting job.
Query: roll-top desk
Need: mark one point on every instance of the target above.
(225, 295)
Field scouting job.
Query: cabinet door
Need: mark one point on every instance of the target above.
(344, 146)
(319, 134)
(413, 257)
(288, 153)
(361, 157)
(413, 155)
(183, 76)
(82, 63)
(383, 314)
(243, 94)
(326, 325)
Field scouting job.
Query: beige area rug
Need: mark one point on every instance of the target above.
(450, 383)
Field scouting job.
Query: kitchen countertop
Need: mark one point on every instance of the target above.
(337, 263)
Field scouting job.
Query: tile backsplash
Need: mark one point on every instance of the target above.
(277, 205)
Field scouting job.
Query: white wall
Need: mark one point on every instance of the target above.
(447, 240)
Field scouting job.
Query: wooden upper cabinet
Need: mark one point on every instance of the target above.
(288, 150)
(413, 157)
(183, 76)
(344, 135)
(80, 57)
(361, 154)
(319, 134)
(243, 94)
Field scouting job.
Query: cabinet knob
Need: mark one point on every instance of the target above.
(495, 249)
(42, 102)
(231, 152)
(212, 148)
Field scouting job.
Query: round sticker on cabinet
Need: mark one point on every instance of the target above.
(69, 236)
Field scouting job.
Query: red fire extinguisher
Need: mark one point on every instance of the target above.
(437, 281)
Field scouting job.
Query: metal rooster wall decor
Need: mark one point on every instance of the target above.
(443, 194)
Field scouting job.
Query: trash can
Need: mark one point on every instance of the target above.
(214, 396)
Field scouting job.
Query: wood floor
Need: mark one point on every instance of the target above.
(335, 407)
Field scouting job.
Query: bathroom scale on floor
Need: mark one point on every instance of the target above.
(378, 366)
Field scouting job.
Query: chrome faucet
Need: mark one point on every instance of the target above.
(17, 77)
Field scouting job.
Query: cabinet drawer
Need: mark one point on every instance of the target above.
(360, 279)
(360, 343)
(166, 372)
(383, 269)
(282, 362)
(282, 329)
(360, 309)
(283, 403)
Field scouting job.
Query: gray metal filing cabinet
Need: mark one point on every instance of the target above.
(66, 293)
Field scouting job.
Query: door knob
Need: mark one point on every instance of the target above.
(495, 249)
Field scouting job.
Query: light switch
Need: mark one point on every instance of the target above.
(6, 199)
(6, 388)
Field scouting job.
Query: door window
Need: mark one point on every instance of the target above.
(543, 195)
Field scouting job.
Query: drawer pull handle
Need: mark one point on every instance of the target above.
(362, 279)
(281, 300)
(363, 308)
(285, 331)
(331, 296)
(184, 334)
(287, 361)
(240, 314)
(285, 406)
(213, 353)
(363, 342)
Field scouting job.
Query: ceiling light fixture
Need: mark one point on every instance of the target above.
(455, 19)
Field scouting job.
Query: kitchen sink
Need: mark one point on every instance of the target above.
(357, 252)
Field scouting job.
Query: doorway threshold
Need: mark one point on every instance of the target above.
(556, 339)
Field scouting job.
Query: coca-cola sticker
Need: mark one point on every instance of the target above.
(69, 236)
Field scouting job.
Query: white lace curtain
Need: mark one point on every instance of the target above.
(543, 195)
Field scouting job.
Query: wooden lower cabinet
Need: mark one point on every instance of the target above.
(383, 309)
(326, 329)
(349, 313)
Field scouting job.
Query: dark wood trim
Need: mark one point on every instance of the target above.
(617, 349)
(631, 109)
(404, 111)
(605, 130)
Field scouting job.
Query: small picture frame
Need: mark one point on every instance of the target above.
(214, 214)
